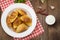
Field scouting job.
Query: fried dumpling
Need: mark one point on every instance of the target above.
(13, 16)
(21, 12)
(17, 22)
(8, 22)
(26, 19)
(22, 27)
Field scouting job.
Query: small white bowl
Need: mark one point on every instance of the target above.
(50, 20)
(29, 11)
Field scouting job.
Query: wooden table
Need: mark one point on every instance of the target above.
(51, 32)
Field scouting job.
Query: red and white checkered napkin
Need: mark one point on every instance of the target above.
(38, 30)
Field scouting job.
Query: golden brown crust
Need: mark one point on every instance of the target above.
(26, 19)
(21, 12)
(18, 20)
(22, 27)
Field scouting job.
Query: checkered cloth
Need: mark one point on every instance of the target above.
(37, 31)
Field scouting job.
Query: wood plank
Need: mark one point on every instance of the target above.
(54, 30)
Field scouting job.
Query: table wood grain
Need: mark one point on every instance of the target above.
(51, 32)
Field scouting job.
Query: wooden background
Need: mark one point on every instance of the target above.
(51, 32)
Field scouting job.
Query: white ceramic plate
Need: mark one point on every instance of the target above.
(29, 11)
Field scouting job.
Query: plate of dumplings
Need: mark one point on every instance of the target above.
(18, 20)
